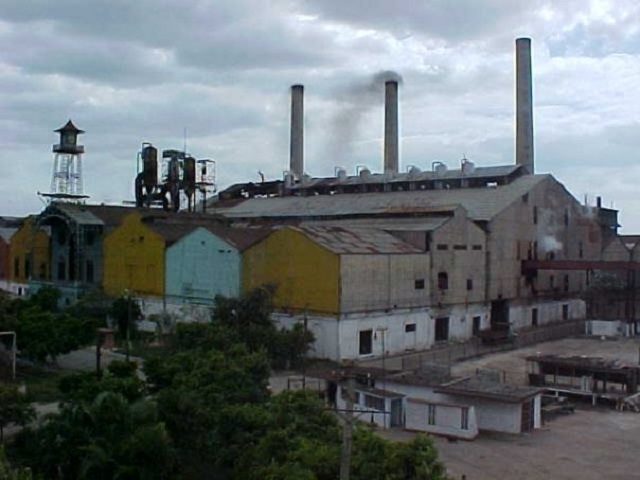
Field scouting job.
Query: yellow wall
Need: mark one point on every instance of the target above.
(33, 242)
(305, 274)
(133, 259)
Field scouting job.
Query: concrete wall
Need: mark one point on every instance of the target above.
(337, 338)
(547, 222)
(447, 421)
(549, 311)
(200, 266)
(606, 328)
(383, 281)
(458, 249)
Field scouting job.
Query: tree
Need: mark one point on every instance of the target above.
(125, 310)
(14, 408)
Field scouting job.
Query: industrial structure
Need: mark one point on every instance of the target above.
(66, 178)
(426, 256)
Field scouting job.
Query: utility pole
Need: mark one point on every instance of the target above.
(347, 431)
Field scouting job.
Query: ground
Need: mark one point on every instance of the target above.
(591, 444)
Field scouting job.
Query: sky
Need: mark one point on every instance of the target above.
(214, 75)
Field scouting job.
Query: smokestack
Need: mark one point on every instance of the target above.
(524, 105)
(296, 157)
(391, 127)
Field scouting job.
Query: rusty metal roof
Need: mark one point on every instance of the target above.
(481, 203)
(343, 240)
(421, 224)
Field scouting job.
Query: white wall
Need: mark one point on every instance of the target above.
(607, 328)
(548, 312)
(448, 419)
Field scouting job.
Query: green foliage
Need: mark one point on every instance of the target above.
(107, 438)
(9, 473)
(14, 408)
(125, 311)
(45, 298)
(121, 377)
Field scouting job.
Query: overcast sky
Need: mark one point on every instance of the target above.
(150, 70)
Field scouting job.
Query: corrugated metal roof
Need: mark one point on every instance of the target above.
(481, 203)
(421, 224)
(343, 240)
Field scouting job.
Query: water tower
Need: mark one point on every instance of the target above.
(66, 180)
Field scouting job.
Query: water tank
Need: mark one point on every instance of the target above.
(341, 174)
(174, 171)
(149, 165)
(288, 179)
(413, 170)
(365, 173)
(468, 166)
(439, 168)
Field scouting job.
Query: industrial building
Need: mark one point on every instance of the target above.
(372, 263)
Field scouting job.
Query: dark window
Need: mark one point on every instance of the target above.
(431, 414)
(427, 242)
(27, 267)
(565, 312)
(442, 329)
(459, 247)
(566, 217)
(443, 281)
(375, 403)
(419, 284)
(469, 284)
(89, 271)
(477, 247)
(464, 419)
(366, 342)
(61, 268)
(566, 283)
(535, 250)
(580, 251)
(16, 267)
(535, 215)
(525, 198)
(410, 327)
(62, 237)
(91, 238)
(534, 317)
(476, 325)
(43, 271)
(442, 246)
(552, 282)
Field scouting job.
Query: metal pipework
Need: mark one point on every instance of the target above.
(391, 126)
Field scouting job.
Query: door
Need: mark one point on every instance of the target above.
(442, 329)
(397, 413)
(527, 416)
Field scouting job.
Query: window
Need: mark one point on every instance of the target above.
(566, 283)
(43, 271)
(410, 327)
(91, 238)
(464, 419)
(565, 312)
(442, 329)
(476, 324)
(431, 414)
(419, 284)
(535, 215)
(442, 246)
(62, 266)
(443, 281)
(476, 247)
(459, 247)
(552, 282)
(534, 317)
(566, 217)
(469, 284)
(525, 198)
(366, 342)
(89, 271)
(427, 242)
(580, 250)
(375, 403)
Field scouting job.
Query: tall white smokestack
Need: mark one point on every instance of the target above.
(391, 127)
(296, 157)
(524, 105)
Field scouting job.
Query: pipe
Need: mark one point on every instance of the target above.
(296, 158)
(524, 106)
(391, 127)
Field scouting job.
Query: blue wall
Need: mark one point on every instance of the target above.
(200, 266)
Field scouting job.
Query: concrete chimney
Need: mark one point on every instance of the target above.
(296, 157)
(391, 127)
(524, 106)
